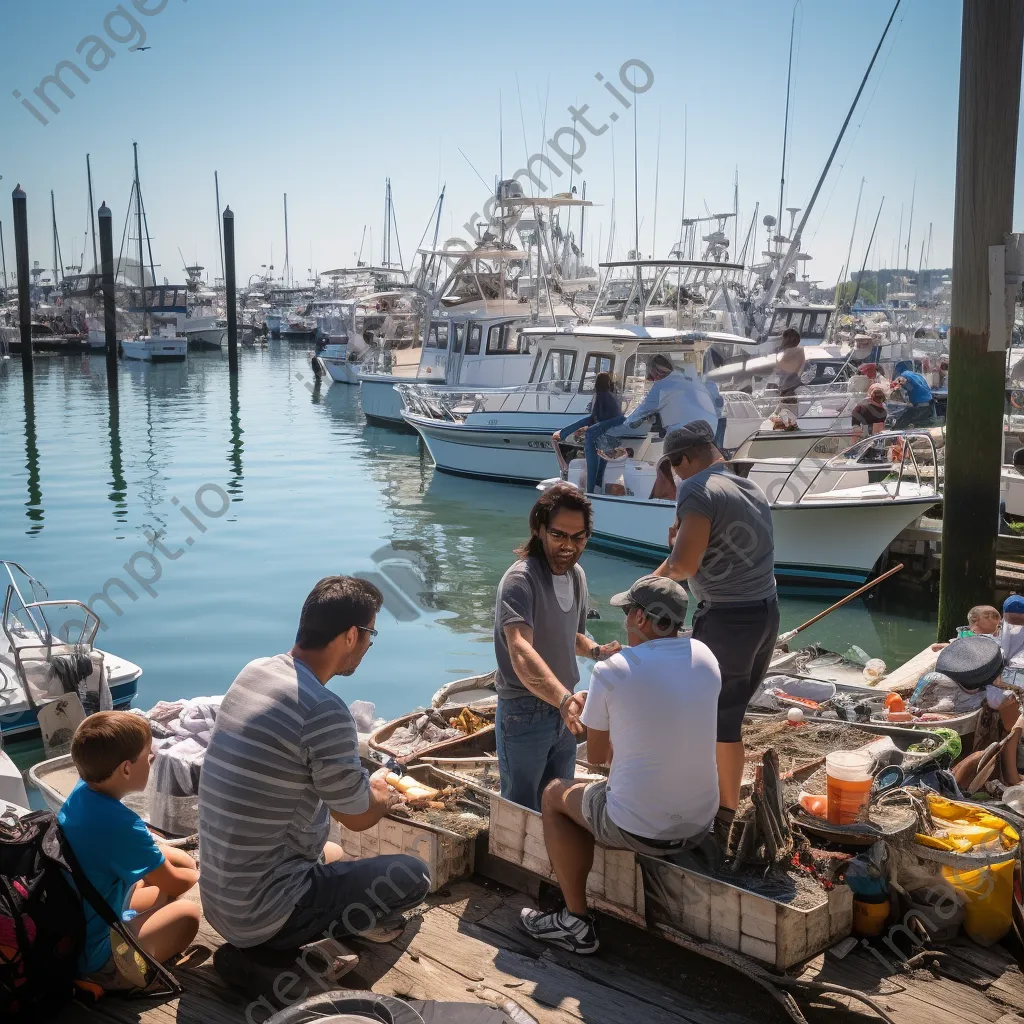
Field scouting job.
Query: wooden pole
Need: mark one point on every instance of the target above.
(990, 81)
(229, 288)
(109, 304)
(20, 204)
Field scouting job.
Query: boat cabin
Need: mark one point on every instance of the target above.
(811, 321)
(483, 351)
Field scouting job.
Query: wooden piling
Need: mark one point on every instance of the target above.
(109, 305)
(20, 204)
(229, 287)
(990, 81)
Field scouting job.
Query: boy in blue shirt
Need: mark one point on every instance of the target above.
(921, 410)
(112, 751)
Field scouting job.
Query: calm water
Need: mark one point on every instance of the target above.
(287, 484)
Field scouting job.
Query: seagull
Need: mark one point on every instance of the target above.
(143, 47)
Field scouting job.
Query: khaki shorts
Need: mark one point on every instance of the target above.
(607, 833)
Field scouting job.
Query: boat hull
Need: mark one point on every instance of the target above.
(155, 350)
(381, 402)
(341, 370)
(25, 723)
(831, 546)
(208, 338)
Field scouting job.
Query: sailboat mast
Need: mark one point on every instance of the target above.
(785, 124)
(56, 262)
(287, 262)
(220, 236)
(3, 257)
(138, 228)
(853, 231)
(910, 223)
(92, 214)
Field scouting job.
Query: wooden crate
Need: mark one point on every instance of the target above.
(715, 911)
(447, 854)
(615, 884)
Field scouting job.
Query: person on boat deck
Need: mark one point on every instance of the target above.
(282, 761)
(790, 365)
(650, 713)
(920, 409)
(605, 412)
(113, 751)
(540, 621)
(719, 403)
(870, 415)
(722, 545)
(676, 396)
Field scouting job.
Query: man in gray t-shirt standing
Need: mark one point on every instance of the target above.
(540, 620)
(723, 548)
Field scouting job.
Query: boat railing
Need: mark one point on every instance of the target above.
(455, 404)
(904, 453)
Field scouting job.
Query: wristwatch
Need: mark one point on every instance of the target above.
(595, 652)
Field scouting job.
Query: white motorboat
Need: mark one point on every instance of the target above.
(205, 332)
(505, 433)
(165, 345)
(833, 517)
(38, 634)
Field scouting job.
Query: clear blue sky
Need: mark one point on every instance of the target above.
(322, 99)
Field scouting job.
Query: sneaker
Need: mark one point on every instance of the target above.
(577, 934)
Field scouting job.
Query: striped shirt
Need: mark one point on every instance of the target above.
(283, 754)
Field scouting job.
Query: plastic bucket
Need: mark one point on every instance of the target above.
(848, 776)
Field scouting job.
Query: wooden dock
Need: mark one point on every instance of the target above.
(465, 945)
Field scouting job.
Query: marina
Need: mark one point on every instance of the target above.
(607, 607)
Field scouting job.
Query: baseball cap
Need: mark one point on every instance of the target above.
(868, 369)
(1014, 604)
(659, 596)
(677, 441)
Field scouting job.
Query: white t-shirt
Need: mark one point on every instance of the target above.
(565, 591)
(659, 701)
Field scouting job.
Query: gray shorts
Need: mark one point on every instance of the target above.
(607, 833)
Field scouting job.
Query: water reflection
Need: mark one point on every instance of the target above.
(118, 486)
(234, 487)
(34, 505)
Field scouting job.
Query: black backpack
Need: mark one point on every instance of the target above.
(42, 927)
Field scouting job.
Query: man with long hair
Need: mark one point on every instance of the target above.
(540, 621)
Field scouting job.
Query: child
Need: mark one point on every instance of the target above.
(112, 751)
(984, 620)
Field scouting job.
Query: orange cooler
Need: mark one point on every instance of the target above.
(848, 775)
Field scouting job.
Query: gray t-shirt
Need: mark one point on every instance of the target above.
(283, 752)
(526, 594)
(739, 564)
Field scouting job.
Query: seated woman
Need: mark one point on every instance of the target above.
(605, 413)
(870, 416)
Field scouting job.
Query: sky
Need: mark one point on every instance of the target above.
(325, 99)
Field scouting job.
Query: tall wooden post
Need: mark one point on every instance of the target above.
(990, 80)
(109, 305)
(229, 289)
(20, 204)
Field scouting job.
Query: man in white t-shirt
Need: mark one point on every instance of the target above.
(655, 704)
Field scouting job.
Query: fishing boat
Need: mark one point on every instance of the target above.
(833, 517)
(202, 326)
(505, 433)
(36, 630)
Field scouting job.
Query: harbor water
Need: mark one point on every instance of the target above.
(205, 510)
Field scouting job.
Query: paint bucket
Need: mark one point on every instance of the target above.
(848, 777)
(870, 914)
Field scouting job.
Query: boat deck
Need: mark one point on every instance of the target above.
(467, 946)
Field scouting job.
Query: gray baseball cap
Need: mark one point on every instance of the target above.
(688, 436)
(659, 596)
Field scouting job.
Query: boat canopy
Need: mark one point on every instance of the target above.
(697, 264)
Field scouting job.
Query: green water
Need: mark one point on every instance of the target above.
(295, 486)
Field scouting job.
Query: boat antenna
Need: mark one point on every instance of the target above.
(910, 222)
(846, 266)
(92, 213)
(220, 237)
(636, 208)
(899, 242)
(362, 242)
(56, 244)
(3, 256)
(682, 208)
(794, 247)
(867, 251)
(785, 123)
(286, 277)
(657, 175)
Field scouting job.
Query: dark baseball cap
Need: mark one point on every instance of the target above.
(679, 440)
(659, 596)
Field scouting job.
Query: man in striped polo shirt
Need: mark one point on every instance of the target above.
(283, 760)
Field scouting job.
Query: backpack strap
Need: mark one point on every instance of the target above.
(112, 920)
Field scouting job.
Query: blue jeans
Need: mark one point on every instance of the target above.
(534, 747)
(595, 464)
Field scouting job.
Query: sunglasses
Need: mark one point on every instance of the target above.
(366, 629)
(573, 538)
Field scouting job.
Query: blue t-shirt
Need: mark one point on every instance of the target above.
(917, 388)
(115, 850)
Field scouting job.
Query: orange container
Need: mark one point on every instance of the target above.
(848, 784)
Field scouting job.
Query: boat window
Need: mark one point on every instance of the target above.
(473, 342)
(504, 339)
(437, 337)
(458, 330)
(559, 365)
(596, 363)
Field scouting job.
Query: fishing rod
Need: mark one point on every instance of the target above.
(867, 251)
(784, 638)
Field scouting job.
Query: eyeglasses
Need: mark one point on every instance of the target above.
(572, 538)
(366, 629)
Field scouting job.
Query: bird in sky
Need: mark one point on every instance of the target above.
(143, 47)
